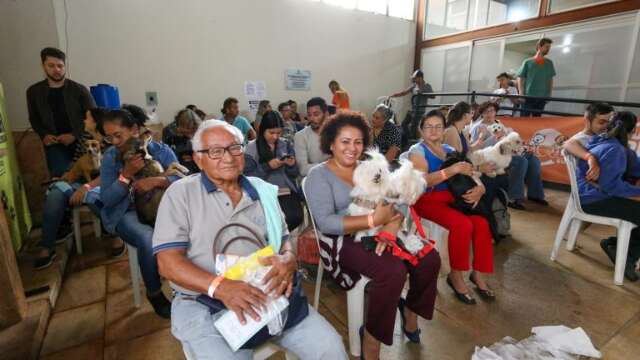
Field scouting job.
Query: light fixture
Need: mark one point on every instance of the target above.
(568, 39)
(566, 49)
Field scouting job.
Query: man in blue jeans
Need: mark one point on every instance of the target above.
(525, 170)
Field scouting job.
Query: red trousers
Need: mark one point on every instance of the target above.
(464, 230)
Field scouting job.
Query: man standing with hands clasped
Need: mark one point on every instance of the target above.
(535, 78)
(57, 107)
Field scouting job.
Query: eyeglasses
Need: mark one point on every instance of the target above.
(109, 139)
(435, 127)
(216, 153)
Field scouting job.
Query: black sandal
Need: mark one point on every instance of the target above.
(486, 294)
(465, 298)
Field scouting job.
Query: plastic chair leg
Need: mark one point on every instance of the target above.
(573, 234)
(562, 230)
(622, 248)
(316, 294)
(97, 227)
(355, 308)
(134, 268)
(77, 234)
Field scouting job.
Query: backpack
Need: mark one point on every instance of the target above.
(501, 212)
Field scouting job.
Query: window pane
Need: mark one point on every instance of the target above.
(457, 14)
(478, 11)
(497, 13)
(635, 68)
(560, 5)
(521, 9)
(485, 67)
(432, 64)
(348, 4)
(401, 8)
(375, 6)
(456, 73)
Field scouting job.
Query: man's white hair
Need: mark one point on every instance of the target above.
(210, 124)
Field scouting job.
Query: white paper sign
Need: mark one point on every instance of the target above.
(254, 92)
(296, 79)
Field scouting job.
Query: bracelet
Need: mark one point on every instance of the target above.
(587, 156)
(214, 285)
(124, 180)
(87, 186)
(443, 174)
(370, 221)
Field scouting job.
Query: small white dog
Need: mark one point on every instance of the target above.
(370, 179)
(496, 127)
(500, 153)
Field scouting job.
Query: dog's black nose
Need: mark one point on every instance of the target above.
(376, 178)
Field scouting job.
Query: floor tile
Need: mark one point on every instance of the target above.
(160, 345)
(124, 321)
(118, 276)
(82, 288)
(74, 327)
(93, 350)
(625, 343)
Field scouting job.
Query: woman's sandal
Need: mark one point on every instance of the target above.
(413, 336)
(465, 298)
(487, 294)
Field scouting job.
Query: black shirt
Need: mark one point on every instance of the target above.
(59, 111)
(388, 137)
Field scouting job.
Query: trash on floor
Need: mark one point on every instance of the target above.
(546, 343)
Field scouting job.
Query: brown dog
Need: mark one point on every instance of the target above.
(147, 203)
(87, 166)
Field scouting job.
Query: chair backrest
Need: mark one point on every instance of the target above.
(571, 163)
(404, 156)
(313, 221)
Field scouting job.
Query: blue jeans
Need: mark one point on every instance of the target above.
(59, 158)
(139, 235)
(523, 170)
(192, 324)
(56, 201)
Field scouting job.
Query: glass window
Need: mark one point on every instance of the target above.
(375, 6)
(562, 5)
(444, 17)
(402, 8)
(485, 66)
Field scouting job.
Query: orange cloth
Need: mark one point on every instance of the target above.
(341, 99)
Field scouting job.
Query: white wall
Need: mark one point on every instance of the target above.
(201, 51)
(26, 26)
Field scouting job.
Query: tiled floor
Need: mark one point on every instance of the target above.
(94, 317)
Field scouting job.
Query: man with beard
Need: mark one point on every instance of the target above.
(57, 107)
(535, 78)
(307, 141)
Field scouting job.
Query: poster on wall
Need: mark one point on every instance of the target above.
(12, 195)
(296, 79)
(254, 92)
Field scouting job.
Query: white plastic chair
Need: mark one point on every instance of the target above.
(77, 233)
(355, 296)
(136, 276)
(574, 216)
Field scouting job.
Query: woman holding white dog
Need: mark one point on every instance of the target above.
(344, 137)
(524, 169)
(464, 230)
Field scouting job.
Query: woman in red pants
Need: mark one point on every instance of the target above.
(464, 230)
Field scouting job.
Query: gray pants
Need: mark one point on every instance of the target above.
(191, 323)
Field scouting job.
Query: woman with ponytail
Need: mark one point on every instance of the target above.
(611, 195)
(272, 159)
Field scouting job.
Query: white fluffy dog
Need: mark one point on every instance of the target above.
(496, 127)
(370, 179)
(500, 153)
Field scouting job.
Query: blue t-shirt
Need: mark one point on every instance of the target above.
(244, 125)
(434, 162)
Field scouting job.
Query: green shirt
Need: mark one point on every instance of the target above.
(537, 77)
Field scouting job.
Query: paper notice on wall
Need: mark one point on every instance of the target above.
(254, 92)
(296, 79)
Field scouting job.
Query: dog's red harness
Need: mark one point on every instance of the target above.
(401, 253)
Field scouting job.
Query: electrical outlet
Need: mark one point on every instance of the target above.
(152, 98)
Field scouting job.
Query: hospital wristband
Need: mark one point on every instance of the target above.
(214, 285)
(124, 180)
(587, 156)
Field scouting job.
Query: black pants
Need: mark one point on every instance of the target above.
(620, 208)
(533, 104)
(292, 208)
(492, 186)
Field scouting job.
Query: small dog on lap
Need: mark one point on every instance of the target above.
(460, 184)
(147, 203)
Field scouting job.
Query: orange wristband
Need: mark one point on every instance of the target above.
(587, 156)
(370, 221)
(444, 174)
(214, 285)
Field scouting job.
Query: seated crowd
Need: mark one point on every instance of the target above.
(246, 180)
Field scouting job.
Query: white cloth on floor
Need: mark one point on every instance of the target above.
(547, 343)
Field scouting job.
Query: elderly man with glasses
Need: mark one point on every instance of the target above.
(217, 209)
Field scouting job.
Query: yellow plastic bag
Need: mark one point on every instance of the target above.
(238, 270)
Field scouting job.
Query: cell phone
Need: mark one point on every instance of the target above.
(285, 157)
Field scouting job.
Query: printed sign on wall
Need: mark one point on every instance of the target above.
(296, 79)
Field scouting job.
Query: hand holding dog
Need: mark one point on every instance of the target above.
(148, 184)
(488, 167)
(594, 169)
(78, 196)
(66, 139)
(132, 166)
(383, 213)
(473, 196)
(462, 167)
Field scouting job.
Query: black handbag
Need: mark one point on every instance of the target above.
(297, 310)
